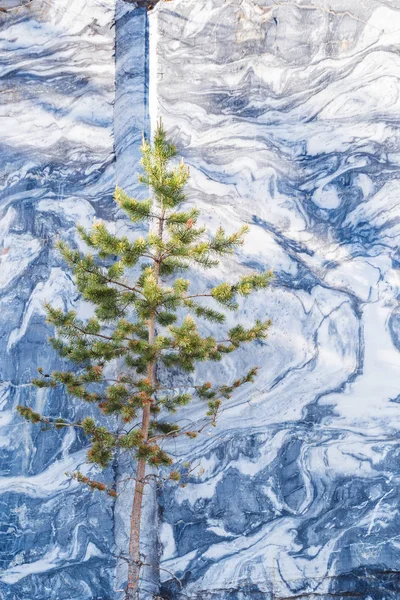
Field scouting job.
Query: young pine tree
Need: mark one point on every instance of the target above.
(145, 326)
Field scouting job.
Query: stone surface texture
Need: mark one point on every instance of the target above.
(288, 113)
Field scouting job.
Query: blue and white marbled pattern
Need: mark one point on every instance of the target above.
(58, 167)
(289, 118)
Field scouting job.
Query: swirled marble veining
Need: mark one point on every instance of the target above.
(288, 115)
(60, 157)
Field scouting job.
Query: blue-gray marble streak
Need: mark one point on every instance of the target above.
(288, 114)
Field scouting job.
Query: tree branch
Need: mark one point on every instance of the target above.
(100, 335)
(131, 289)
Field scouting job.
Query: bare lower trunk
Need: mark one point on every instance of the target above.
(134, 540)
(132, 592)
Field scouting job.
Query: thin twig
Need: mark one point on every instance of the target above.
(113, 281)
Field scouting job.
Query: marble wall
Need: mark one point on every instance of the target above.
(288, 114)
(61, 153)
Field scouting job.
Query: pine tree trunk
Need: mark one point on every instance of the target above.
(132, 592)
(134, 540)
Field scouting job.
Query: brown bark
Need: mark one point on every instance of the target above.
(132, 591)
(134, 540)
